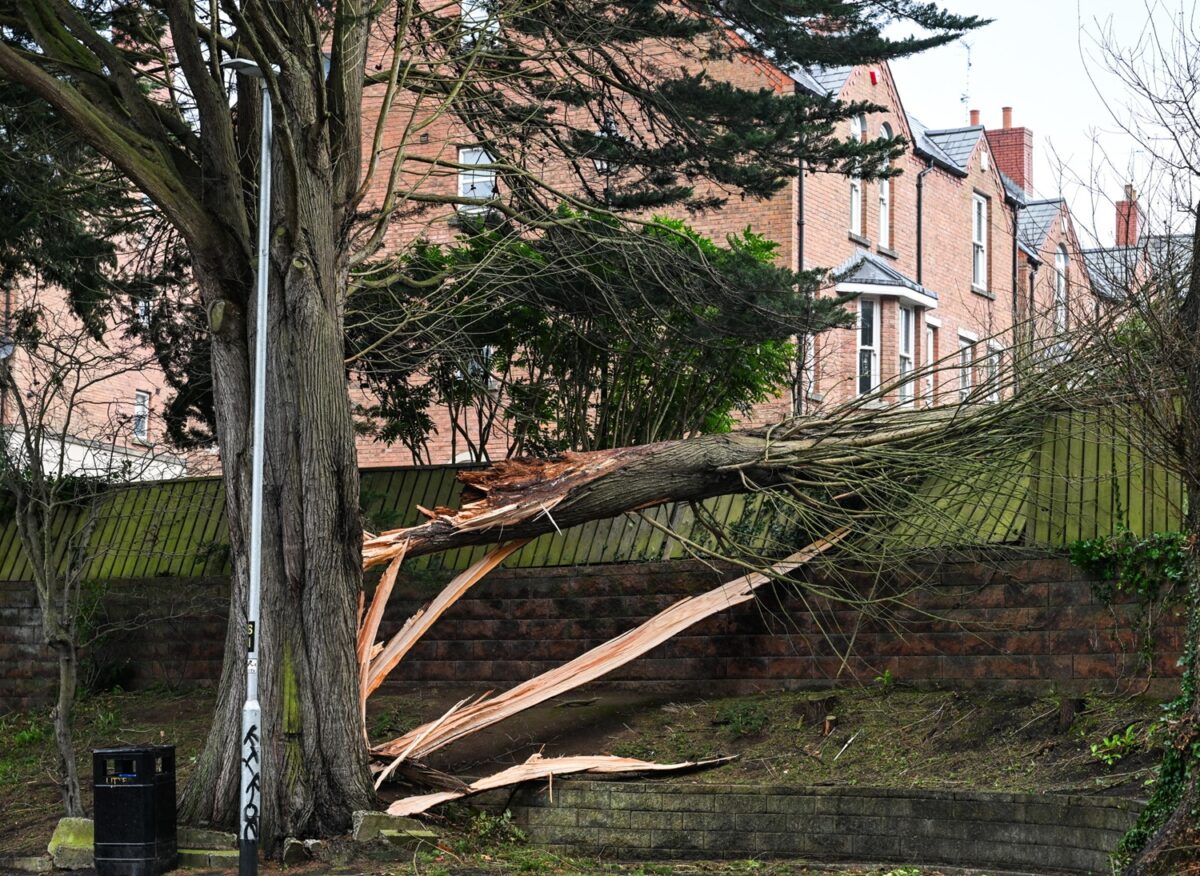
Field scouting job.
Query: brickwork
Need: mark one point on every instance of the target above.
(176, 638)
(641, 821)
(27, 669)
(1023, 622)
(1013, 149)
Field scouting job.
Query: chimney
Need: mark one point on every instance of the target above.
(1127, 218)
(974, 118)
(1013, 150)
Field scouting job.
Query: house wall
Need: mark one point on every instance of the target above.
(93, 413)
(428, 135)
(1037, 303)
(946, 245)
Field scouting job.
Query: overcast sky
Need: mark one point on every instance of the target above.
(1036, 57)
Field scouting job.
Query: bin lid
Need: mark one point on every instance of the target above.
(130, 750)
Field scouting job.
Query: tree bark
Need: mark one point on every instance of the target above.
(314, 765)
(64, 709)
(525, 498)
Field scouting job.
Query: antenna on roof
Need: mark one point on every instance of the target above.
(966, 95)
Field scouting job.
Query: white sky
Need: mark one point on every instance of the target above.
(1036, 56)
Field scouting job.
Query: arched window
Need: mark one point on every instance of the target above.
(885, 199)
(1060, 289)
(858, 131)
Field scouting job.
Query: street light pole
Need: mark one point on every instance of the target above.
(251, 735)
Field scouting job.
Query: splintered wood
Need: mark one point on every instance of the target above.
(538, 767)
(376, 660)
(517, 495)
(503, 494)
(595, 663)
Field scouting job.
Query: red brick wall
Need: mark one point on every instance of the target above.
(1029, 621)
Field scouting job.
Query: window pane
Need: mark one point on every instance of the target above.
(866, 379)
(866, 311)
(475, 183)
(885, 212)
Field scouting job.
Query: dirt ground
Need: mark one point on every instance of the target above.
(884, 735)
(881, 735)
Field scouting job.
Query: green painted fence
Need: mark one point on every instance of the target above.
(1083, 477)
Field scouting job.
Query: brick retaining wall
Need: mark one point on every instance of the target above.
(1020, 621)
(643, 821)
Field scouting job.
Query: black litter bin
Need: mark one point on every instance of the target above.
(135, 810)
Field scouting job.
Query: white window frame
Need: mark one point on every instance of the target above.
(871, 347)
(979, 229)
(856, 206)
(885, 213)
(966, 364)
(858, 132)
(906, 330)
(885, 200)
(1061, 289)
(992, 369)
(930, 351)
(470, 180)
(478, 20)
(140, 422)
(1033, 315)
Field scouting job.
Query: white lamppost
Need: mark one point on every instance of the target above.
(251, 787)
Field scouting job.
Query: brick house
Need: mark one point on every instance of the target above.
(945, 257)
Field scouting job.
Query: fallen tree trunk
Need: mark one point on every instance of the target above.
(525, 498)
(538, 767)
(463, 721)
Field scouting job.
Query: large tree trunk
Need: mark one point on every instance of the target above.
(314, 764)
(525, 498)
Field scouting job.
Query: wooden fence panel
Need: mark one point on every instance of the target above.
(1087, 477)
